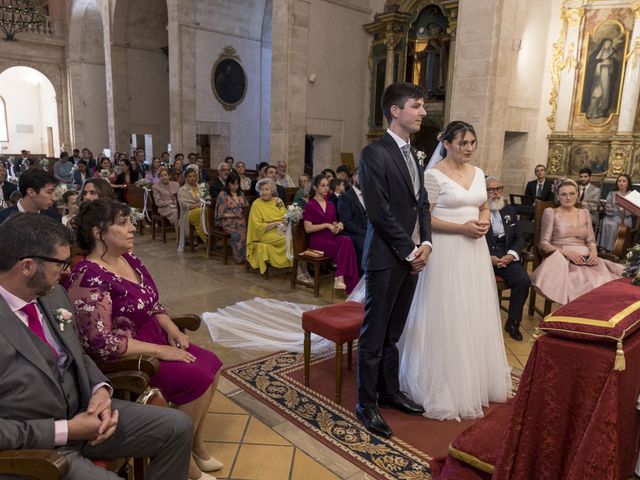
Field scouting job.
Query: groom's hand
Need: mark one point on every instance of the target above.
(418, 263)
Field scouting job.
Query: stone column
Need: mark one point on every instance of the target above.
(289, 70)
(631, 88)
(572, 18)
(391, 40)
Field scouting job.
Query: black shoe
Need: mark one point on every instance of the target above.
(512, 329)
(373, 421)
(399, 401)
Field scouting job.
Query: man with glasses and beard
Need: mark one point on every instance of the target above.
(52, 395)
(505, 241)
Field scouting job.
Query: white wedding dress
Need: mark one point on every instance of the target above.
(452, 356)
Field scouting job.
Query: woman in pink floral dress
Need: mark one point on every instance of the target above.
(119, 316)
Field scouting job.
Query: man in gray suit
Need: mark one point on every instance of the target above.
(52, 395)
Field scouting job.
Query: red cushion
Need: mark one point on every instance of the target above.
(608, 313)
(480, 444)
(339, 323)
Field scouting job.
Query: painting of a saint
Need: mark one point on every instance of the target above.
(603, 72)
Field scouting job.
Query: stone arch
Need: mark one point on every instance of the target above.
(54, 77)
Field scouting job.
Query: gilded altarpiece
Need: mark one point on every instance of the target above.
(595, 88)
(413, 41)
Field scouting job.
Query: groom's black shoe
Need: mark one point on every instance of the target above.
(373, 421)
(513, 330)
(399, 401)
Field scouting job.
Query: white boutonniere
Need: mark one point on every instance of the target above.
(420, 155)
(63, 317)
(507, 219)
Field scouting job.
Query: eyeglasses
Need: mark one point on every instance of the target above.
(64, 263)
(495, 190)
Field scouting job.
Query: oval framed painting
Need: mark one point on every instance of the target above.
(229, 79)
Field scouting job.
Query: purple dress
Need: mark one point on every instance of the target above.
(338, 247)
(111, 309)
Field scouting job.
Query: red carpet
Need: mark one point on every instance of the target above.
(277, 380)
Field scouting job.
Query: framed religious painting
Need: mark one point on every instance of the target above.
(594, 156)
(229, 79)
(603, 61)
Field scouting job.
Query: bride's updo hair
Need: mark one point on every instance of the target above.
(452, 130)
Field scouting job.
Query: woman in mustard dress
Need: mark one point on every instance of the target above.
(265, 242)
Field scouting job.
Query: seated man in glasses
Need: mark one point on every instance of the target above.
(52, 395)
(505, 242)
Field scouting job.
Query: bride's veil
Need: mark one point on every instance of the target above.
(436, 156)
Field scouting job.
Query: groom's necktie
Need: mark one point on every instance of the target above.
(33, 322)
(413, 172)
(411, 165)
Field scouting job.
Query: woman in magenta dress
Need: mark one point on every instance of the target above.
(320, 222)
(119, 316)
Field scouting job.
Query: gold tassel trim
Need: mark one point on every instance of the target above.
(620, 363)
(537, 333)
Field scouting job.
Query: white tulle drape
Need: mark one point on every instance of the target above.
(263, 324)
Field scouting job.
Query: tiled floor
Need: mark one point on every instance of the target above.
(253, 441)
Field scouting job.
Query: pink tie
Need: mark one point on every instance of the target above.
(35, 326)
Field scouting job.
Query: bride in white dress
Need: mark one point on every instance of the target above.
(452, 357)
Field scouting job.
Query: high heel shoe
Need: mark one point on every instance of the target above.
(206, 476)
(209, 465)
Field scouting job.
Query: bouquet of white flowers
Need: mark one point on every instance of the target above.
(144, 183)
(632, 264)
(203, 191)
(59, 191)
(136, 216)
(293, 215)
(105, 173)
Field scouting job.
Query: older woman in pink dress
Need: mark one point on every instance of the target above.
(572, 267)
(119, 316)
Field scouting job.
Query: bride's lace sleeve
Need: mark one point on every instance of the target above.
(432, 187)
(99, 335)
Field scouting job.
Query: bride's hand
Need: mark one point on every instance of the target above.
(474, 228)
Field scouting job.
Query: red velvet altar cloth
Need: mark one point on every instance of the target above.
(575, 418)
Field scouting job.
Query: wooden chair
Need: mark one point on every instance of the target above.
(135, 198)
(216, 234)
(538, 257)
(524, 205)
(291, 192)
(130, 381)
(300, 244)
(157, 219)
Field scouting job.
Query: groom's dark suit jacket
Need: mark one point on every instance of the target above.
(392, 207)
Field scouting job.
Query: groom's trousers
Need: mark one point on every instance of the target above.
(389, 294)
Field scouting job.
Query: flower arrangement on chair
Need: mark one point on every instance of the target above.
(632, 264)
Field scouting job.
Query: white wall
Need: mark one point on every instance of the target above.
(338, 53)
(245, 119)
(30, 101)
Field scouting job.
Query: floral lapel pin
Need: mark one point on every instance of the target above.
(63, 317)
(420, 155)
(507, 219)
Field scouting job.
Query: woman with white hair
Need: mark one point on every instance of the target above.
(265, 243)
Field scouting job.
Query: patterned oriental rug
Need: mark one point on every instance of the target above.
(278, 381)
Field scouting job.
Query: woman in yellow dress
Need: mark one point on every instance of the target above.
(189, 200)
(265, 242)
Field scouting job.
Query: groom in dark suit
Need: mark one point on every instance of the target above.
(397, 246)
(52, 395)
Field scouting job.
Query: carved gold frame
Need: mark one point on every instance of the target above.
(585, 55)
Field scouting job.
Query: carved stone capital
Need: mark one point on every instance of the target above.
(391, 40)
